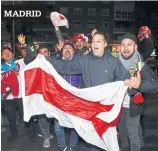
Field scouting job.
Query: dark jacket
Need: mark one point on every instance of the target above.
(95, 70)
(74, 80)
(149, 85)
(81, 51)
(146, 48)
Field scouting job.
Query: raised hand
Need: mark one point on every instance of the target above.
(21, 39)
(134, 82)
(93, 32)
(60, 45)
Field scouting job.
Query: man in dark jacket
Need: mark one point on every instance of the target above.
(97, 67)
(133, 105)
(76, 81)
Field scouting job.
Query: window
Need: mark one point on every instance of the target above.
(104, 12)
(104, 24)
(64, 10)
(124, 15)
(92, 11)
(91, 24)
(118, 14)
(77, 24)
(44, 36)
(77, 11)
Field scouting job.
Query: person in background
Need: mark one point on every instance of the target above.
(11, 88)
(79, 41)
(43, 121)
(68, 53)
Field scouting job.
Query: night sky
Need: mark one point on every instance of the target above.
(148, 5)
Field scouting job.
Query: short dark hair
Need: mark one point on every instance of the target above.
(100, 33)
(43, 46)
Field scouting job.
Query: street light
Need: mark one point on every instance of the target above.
(13, 34)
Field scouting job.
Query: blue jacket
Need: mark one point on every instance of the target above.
(74, 80)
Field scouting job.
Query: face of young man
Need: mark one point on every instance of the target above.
(7, 55)
(23, 52)
(98, 45)
(68, 52)
(79, 43)
(44, 51)
(128, 48)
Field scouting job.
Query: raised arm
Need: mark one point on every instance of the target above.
(70, 67)
(146, 43)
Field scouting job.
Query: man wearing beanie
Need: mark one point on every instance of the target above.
(67, 53)
(144, 81)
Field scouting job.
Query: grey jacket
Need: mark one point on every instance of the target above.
(95, 70)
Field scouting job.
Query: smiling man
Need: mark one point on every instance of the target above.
(79, 41)
(133, 105)
(68, 51)
(97, 67)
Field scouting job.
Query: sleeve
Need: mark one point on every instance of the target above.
(59, 35)
(149, 84)
(146, 48)
(70, 67)
(29, 57)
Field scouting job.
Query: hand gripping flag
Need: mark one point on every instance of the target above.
(93, 112)
(58, 19)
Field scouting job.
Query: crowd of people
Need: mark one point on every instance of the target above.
(83, 67)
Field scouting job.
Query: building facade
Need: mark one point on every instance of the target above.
(123, 18)
(81, 19)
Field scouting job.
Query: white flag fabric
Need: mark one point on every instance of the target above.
(93, 112)
(58, 19)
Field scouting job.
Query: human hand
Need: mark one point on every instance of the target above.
(134, 82)
(93, 32)
(21, 39)
(60, 45)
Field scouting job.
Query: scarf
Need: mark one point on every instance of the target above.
(129, 63)
(133, 65)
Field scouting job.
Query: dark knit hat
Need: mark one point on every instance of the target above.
(128, 36)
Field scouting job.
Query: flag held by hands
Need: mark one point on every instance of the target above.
(93, 112)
